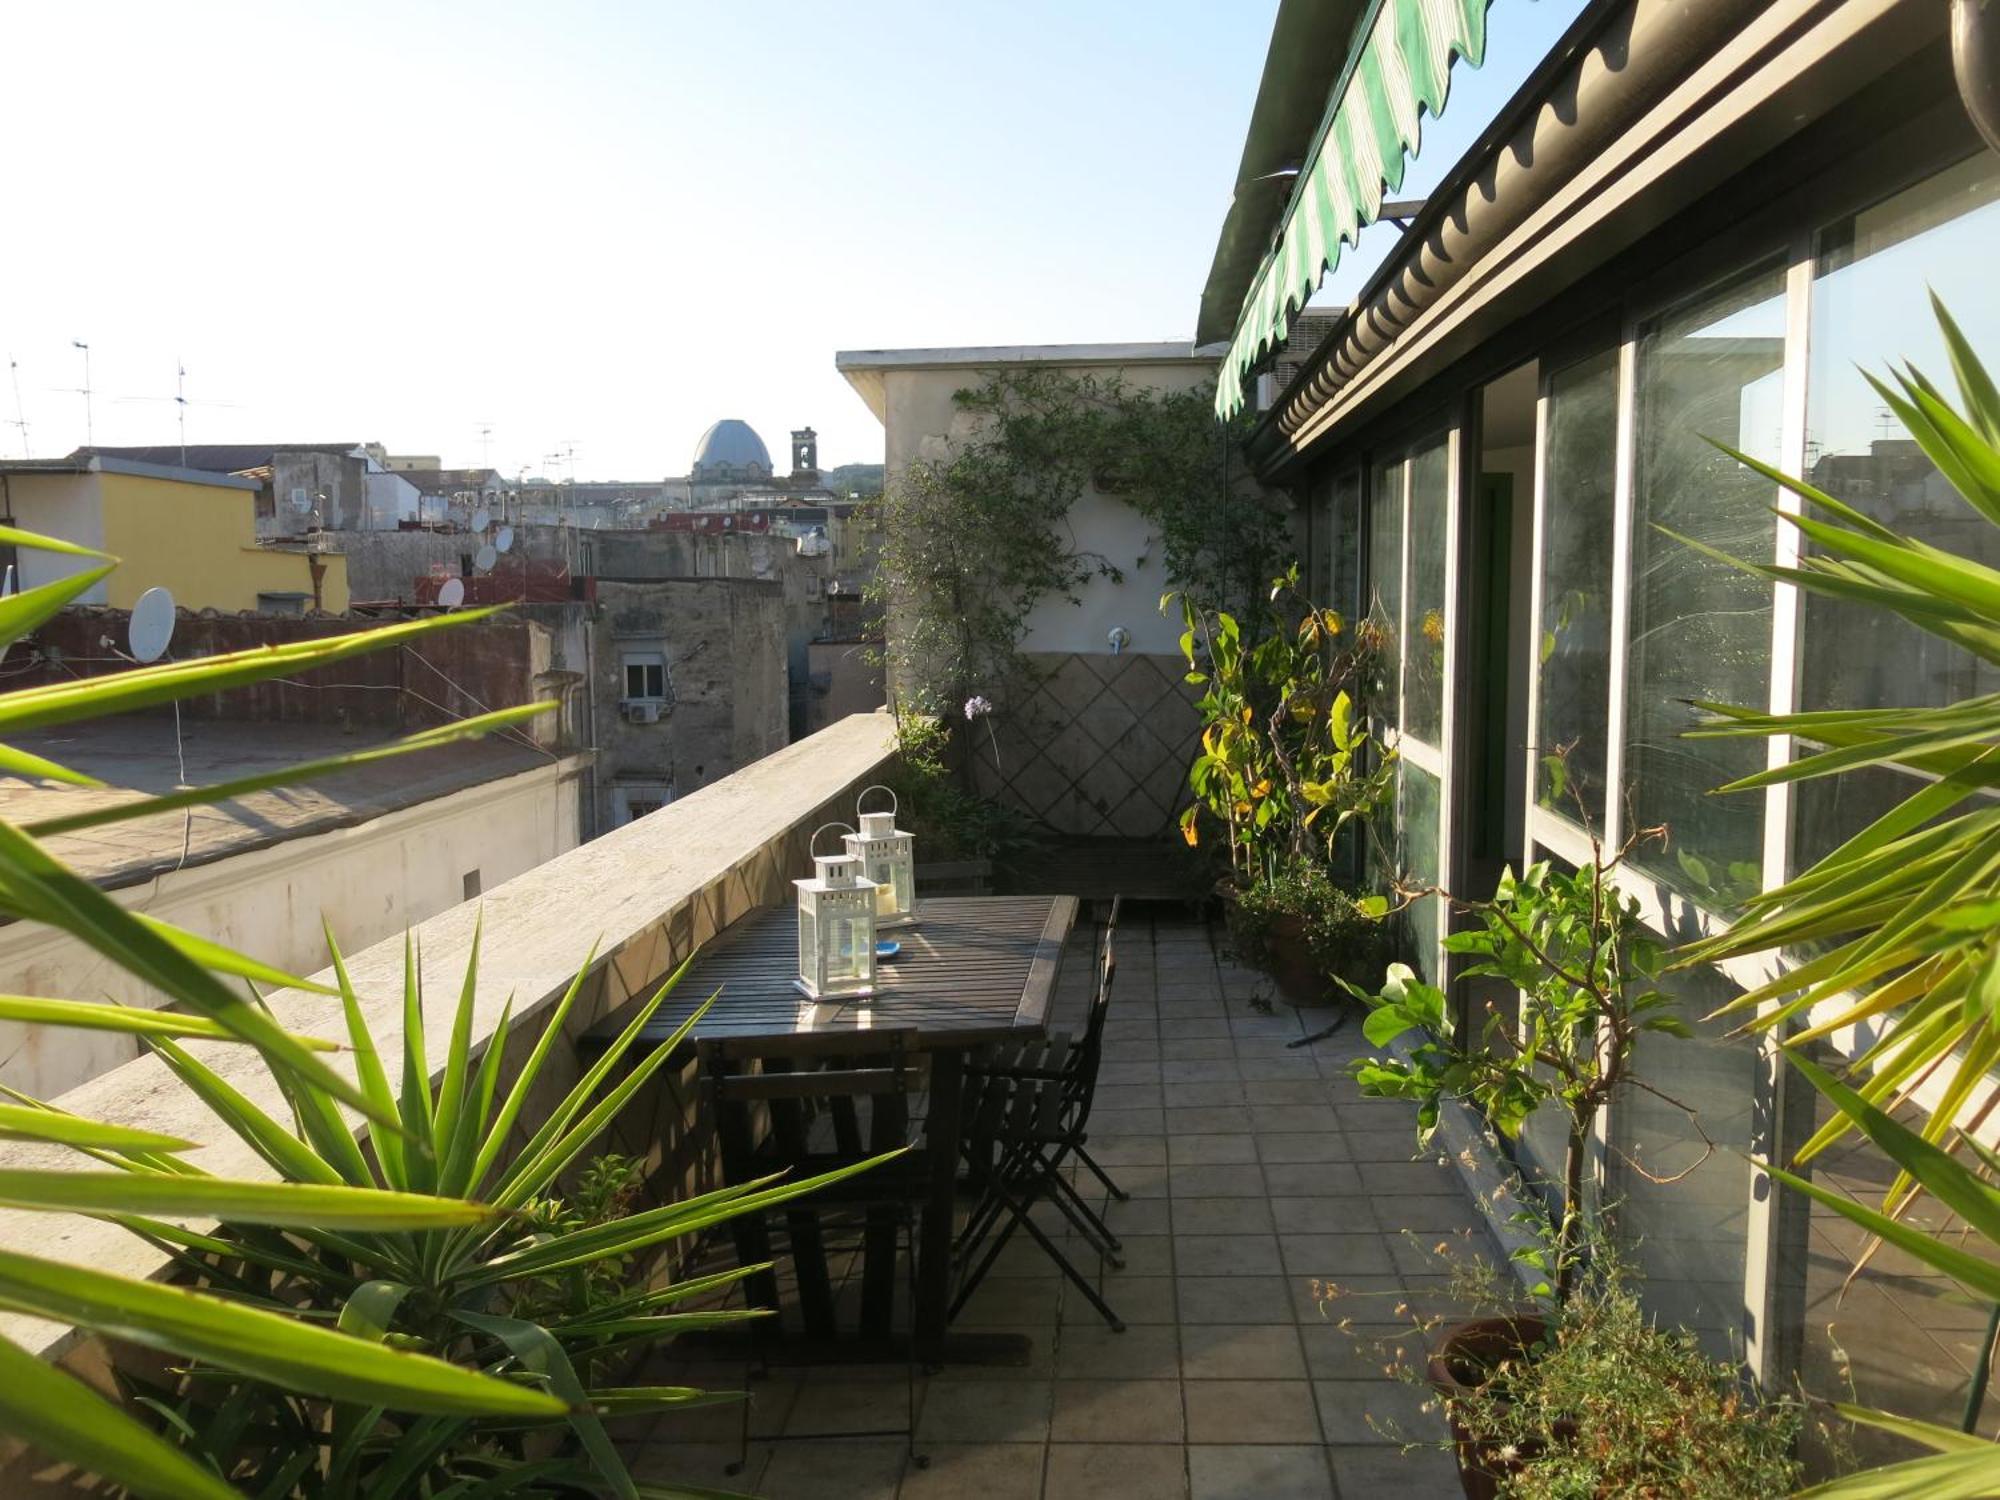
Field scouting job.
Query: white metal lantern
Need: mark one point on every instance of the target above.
(836, 927)
(888, 857)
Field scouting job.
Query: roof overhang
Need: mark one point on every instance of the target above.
(1309, 45)
(866, 369)
(1644, 107)
(98, 463)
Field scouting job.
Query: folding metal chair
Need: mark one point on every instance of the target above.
(800, 1114)
(1028, 1115)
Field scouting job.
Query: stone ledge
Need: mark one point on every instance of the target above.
(649, 894)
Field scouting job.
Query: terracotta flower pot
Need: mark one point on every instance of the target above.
(1464, 1360)
(1290, 963)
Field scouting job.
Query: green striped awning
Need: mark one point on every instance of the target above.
(1400, 67)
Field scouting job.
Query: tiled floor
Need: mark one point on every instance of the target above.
(1255, 1171)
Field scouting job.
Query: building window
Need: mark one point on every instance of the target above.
(1424, 615)
(1711, 371)
(1681, 1203)
(645, 676)
(1873, 275)
(1573, 645)
(1385, 583)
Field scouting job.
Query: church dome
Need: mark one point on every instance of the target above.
(731, 450)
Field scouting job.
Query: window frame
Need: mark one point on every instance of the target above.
(646, 662)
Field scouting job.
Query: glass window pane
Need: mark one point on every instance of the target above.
(1574, 651)
(1423, 672)
(1417, 828)
(1871, 308)
(1701, 629)
(1683, 1214)
(1879, 1326)
(1343, 545)
(1385, 581)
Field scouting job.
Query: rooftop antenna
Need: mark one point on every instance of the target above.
(181, 404)
(89, 427)
(20, 411)
(485, 445)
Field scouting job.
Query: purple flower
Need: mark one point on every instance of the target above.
(977, 707)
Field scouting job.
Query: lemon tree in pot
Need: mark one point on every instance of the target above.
(1586, 972)
(1289, 773)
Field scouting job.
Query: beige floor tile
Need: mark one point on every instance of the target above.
(1117, 1411)
(1251, 1411)
(1141, 1352)
(968, 1411)
(1234, 1299)
(1259, 1472)
(1377, 1411)
(1116, 1471)
(1226, 1255)
(1221, 1216)
(1210, 1150)
(990, 1471)
(833, 1471)
(1421, 1474)
(1256, 1351)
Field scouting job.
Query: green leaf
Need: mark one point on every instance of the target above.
(14, 536)
(1980, 1276)
(292, 775)
(1943, 1476)
(23, 612)
(284, 1204)
(368, 1067)
(283, 1151)
(1975, 386)
(148, 687)
(63, 899)
(371, 1308)
(1950, 1181)
(63, 1418)
(22, 1123)
(540, 1351)
(89, 1015)
(283, 1350)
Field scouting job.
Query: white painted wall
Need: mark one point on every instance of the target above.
(370, 882)
(391, 498)
(69, 506)
(920, 421)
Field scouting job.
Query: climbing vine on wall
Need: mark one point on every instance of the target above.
(973, 542)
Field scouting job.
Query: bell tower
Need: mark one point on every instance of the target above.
(805, 454)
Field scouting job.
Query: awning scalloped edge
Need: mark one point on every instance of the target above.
(1401, 70)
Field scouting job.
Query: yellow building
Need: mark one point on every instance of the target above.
(191, 532)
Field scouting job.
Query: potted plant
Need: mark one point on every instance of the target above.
(1600, 1401)
(1573, 947)
(1307, 932)
(1288, 768)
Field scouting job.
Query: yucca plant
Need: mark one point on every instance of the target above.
(1905, 915)
(356, 1307)
(511, 1288)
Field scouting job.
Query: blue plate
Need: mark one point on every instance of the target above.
(888, 948)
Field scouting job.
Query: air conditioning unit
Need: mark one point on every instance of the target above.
(641, 711)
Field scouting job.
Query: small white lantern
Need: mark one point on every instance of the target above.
(836, 927)
(888, 857)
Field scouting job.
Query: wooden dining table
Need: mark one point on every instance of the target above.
(972, 970)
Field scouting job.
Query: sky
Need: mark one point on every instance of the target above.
(595, 228)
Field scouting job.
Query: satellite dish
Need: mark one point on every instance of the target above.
(503, 539)
(451, 593)
(485, 558)
(151, 627)
(481, 519)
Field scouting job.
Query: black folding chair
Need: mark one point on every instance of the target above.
(801, 1114)
(1028, 1115)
